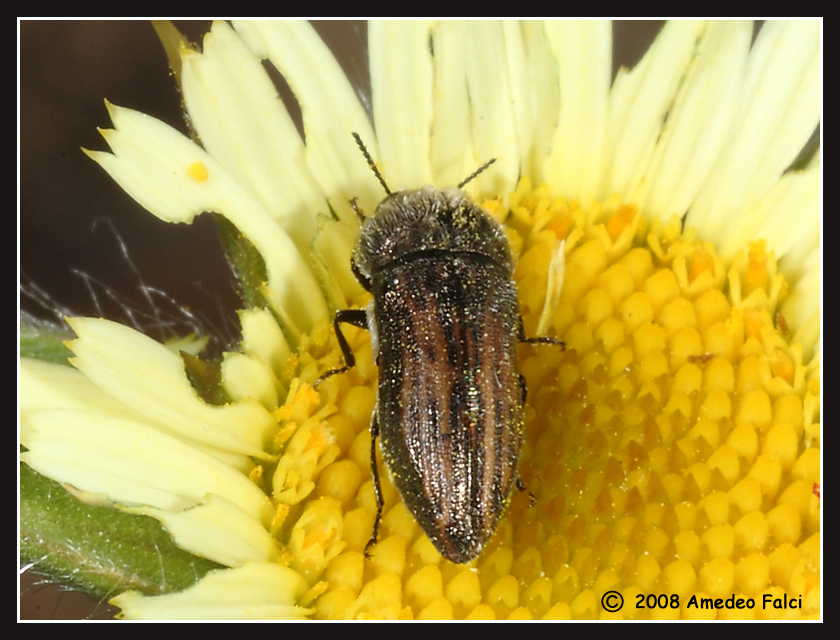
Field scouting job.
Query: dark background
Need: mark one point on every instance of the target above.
(74, 220)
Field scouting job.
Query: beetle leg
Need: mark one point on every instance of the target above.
(544, 340)
(354, 205)
(356, 317)
(538, 340)
(377, 488)
(521, 486)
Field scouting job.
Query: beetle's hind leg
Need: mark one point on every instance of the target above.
(524, 386)
(356, 317)
(519, 484)
(377, 488)
(538, 340)
(544, 340)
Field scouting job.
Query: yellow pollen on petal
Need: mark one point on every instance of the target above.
(198, 172)
(673, 447)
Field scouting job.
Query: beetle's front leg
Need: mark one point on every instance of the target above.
(356, 317)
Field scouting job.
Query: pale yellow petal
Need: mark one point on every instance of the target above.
(639, 103)
(190, 343)
(452, 156)
(262, 338)
(785, 217)
(245, 379)
(516, 69)
(45, 385)
(255, 591)
(150, 379)
(218, 530)
(176, 180)
(543, 89)
(331, 113)
(401, 84)
(553, 287)
(116, 460)
(331, 110)
(699, 122)
(583, 51)
(494, 54)
(778, 111)
(802, 307)
(173, 178)
(242, 123)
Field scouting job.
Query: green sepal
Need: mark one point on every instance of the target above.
(44, 340)
(246, 262)
(205, 376)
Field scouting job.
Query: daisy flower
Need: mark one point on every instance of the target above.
(673, 448)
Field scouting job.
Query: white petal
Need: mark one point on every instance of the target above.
(639, 103)
(256, 591)
(242, 123)
(330, 108)
(150, 379)
(583, 51)
(176, 180)
(699, 121)
(218, 530)
(779, 111)
(401, 83)
(131, 463)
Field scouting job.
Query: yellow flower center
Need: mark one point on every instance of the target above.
(672, 448)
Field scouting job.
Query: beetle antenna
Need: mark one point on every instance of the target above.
(476, 173)
(371, 163)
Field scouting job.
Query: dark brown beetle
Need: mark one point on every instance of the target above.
(445, 325)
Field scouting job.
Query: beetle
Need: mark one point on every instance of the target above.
(445, 323)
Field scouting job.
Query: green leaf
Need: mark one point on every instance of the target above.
(99, 550)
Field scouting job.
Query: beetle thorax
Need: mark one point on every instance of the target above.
(428, 220)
